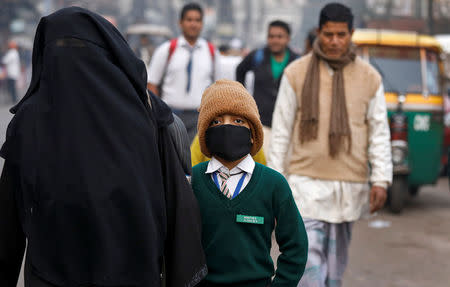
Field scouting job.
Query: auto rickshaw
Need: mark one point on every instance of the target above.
(444, 40)
(413, 78)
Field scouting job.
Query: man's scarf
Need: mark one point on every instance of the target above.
(339, 130)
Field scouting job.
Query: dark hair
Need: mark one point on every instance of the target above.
(189, 7)
(312, 34)
(281, 24)
(336, 12)
(224, 48)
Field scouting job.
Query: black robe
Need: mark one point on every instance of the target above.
(99, 190)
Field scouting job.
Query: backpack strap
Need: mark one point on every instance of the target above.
(258, 57)
(212, 52)
(172, 47)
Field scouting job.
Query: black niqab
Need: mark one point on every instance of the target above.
(98, 201)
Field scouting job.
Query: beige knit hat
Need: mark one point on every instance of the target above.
(229, 97)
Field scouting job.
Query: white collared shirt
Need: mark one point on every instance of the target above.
(175, 79)
(12, 62)
(228, 66)
(247, 165)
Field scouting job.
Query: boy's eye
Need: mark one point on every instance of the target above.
(239, 121)
(215, 122)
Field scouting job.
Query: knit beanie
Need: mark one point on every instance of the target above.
(229, 97)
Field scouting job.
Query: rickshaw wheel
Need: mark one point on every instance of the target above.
(414, 190)
(398, 193)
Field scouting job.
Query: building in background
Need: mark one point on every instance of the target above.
(243, 19)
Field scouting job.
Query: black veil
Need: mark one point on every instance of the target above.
(102, 194)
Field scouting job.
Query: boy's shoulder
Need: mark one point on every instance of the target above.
(199, 169)
(200, 166)
(275, 183)
(271, 177)
(198, 172)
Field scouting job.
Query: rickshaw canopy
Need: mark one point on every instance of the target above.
(395, 38)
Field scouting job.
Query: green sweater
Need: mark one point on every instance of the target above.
(238, 253)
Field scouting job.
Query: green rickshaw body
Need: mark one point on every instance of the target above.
(425, 145)
(413, 74)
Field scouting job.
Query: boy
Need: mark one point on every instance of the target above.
(241, 200)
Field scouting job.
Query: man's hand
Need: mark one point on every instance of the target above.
(378, 197)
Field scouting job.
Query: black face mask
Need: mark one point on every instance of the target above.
(228, 142)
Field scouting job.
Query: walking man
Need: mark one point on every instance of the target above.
(268, 64)
(11, 61)
(181, 69)
(331, 109)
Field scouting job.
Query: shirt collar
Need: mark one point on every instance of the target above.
(246, 165)
(329, 69)
(183, 43)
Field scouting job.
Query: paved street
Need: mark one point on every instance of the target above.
(413, 251)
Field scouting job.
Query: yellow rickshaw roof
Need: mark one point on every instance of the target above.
(394, 38)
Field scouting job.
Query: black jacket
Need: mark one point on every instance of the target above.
(266, 87)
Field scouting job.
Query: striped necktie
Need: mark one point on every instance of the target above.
(223, 186)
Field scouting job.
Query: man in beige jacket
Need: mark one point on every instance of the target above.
(331, 112)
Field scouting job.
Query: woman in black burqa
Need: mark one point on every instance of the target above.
(91, 177)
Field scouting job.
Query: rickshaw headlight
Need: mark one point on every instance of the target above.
(398, 155)
(447, 119)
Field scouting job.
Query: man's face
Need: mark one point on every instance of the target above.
(191, 25)
(144, 41)
(334, 38)
(277, 40)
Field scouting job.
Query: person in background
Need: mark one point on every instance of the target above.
(11, 62)
(309, 41)
(228, 61)
(332, 112)
(267, 65)
(236, 47)
(243, 202)
(144, 51)
(182, 68)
